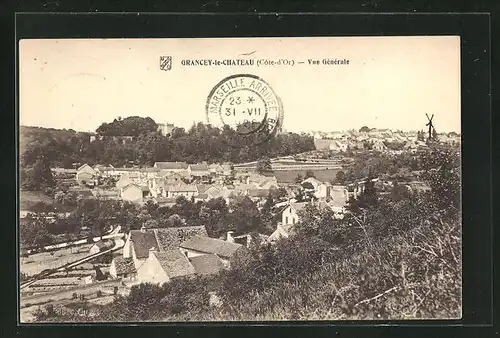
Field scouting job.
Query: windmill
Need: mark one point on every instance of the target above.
(432, 130)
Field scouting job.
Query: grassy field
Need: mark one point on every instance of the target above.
(36, 263)
(90, 289)
(288, 176)
(30, 304)
(29, 198)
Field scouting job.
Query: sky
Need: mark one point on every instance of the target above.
(390, 82)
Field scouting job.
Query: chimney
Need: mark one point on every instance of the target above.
(150, 251)
(230, 238)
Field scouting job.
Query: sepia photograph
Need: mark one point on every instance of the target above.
(239, 179)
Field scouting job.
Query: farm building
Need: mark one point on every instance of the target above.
(133, 193)
(171, 166)
(162, 267)
(124, 268)
(139, 242)
(86, 175)
(290, 214)
(203, 245)
(206, 265)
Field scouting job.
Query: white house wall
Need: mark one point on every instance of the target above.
(289, 216)
(126, 248)
(152, 272)
(132, 194)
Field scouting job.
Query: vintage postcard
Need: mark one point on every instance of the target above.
(239, 179)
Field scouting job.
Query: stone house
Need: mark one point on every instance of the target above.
(290, 214)
(171, 166)
(182, 189)
(86, 175)
(133, 193)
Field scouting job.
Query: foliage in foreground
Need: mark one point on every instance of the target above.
(397, 260)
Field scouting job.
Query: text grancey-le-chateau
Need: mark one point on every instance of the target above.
(264, 62)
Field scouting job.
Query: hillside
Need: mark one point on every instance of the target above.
(66, 148)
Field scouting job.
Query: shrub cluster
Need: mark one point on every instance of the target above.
(385, 259)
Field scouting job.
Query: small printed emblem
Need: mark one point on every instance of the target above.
(165, 62)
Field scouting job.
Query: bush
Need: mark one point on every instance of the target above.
(386, 259)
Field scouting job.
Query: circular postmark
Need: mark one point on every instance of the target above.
(248, 105)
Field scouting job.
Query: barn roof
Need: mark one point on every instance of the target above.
(198, 167)
(211, 245)
(143, 241)
(174, 263)
(207, 264)
(171, 238)
(171, 165)
(124, 265)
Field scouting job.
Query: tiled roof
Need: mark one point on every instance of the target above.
(298, 206)
(198, 167)
(281, 231)
(143, 241)
(128, 185)
(211, 245)
(124, 265)
(150, 170)
(171, 238)
(268, 181)
(171, 165)
(183, 187)
(207, 264)
(174, 263)
(84, 166)
(169, 174)
(202, 187)
(126, 169)
(243, 187)
(213, 190)
(258, 192)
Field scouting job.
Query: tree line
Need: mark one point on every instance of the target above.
(95, 217)
(199, 143)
